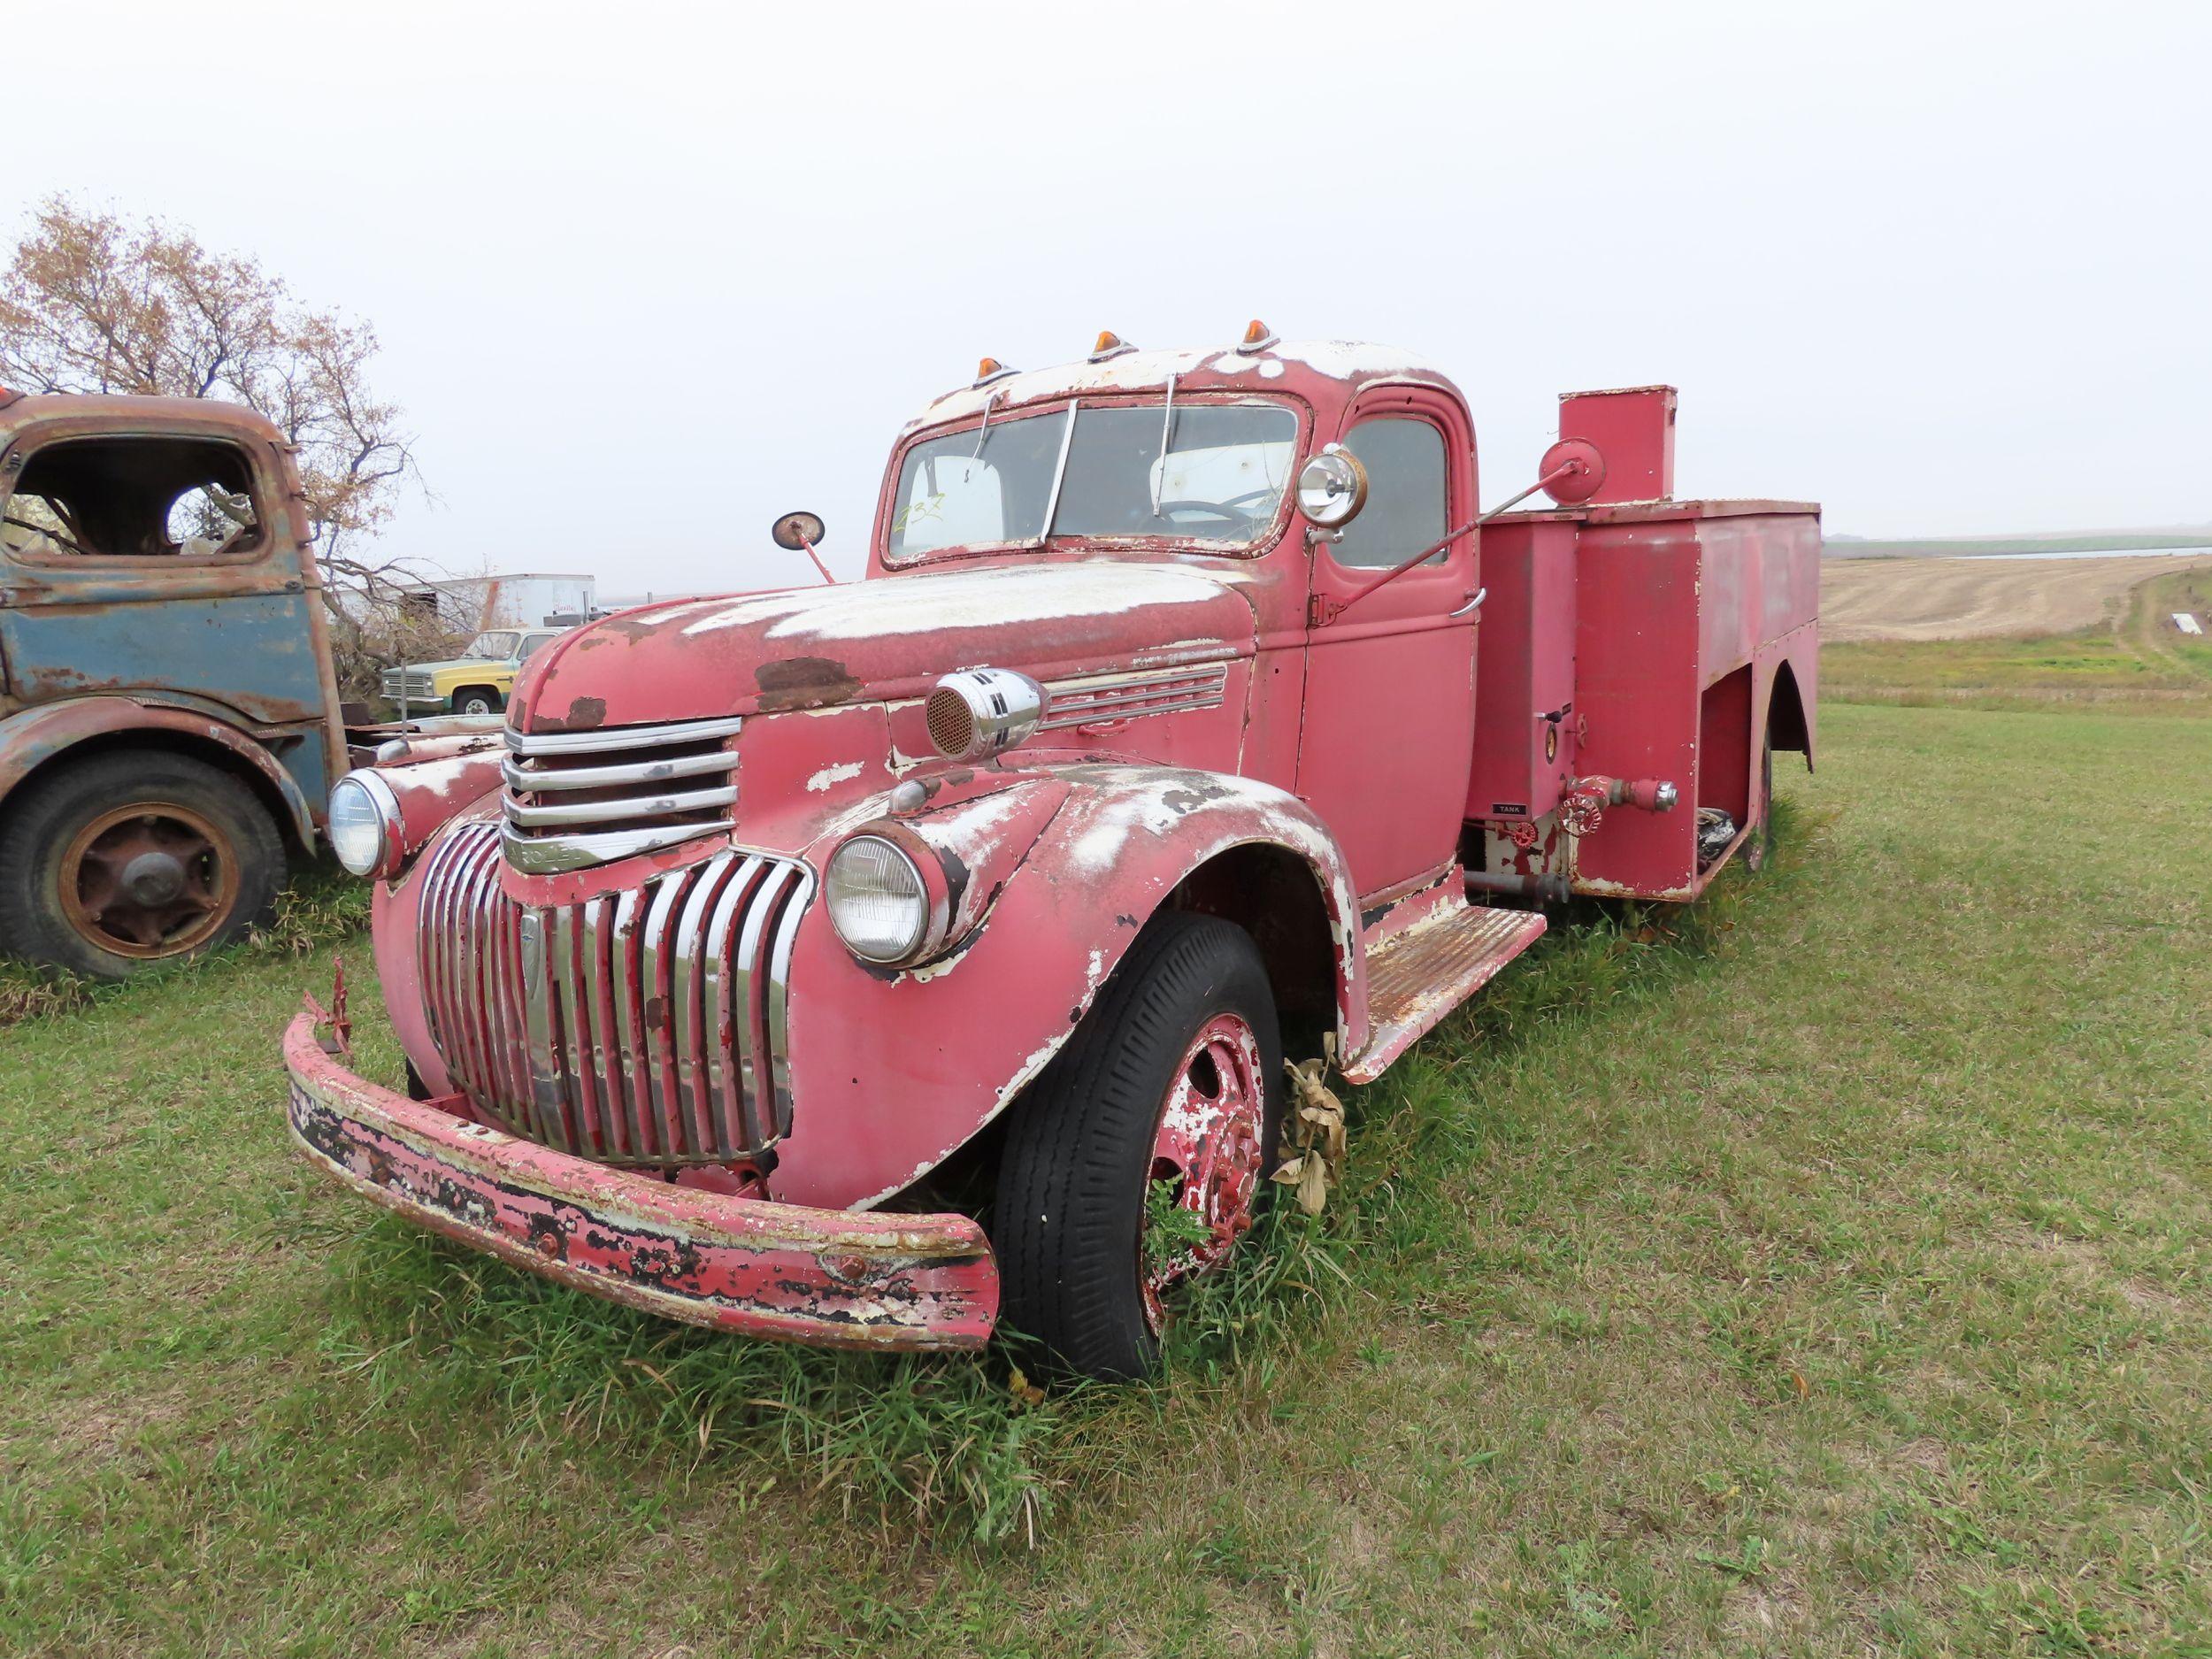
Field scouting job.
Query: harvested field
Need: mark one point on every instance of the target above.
(1958, 599)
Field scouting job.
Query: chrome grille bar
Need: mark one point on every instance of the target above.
(609, 738)
(617, 776)
(650, 1027)
(614, 811)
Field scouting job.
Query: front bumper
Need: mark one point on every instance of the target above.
(835, 1279)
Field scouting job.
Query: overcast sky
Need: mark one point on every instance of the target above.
(646, 275)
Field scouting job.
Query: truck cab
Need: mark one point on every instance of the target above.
(1189, 717)
(168, 718)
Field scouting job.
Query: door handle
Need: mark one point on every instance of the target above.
(1473, 604)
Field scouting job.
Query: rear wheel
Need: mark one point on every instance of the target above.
(128, 859)
(476, 700)
(1142, 1157)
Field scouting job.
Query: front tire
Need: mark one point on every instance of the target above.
(1142, 1154)
(475, 700)
(127, 859)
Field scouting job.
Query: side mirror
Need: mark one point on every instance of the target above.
(1332, 488)
(796, 531)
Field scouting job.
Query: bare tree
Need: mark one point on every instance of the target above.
(89, 303)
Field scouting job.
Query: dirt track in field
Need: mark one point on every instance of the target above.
(1957, 599)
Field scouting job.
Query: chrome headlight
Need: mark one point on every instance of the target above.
(882, 902)
(364, 825)
(979, 713)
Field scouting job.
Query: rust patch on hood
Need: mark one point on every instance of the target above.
(804, 682)
(585, 714)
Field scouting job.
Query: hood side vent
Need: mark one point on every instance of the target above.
(1101, 699)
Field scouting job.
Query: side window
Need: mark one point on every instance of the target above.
(124, 497)
(530, 643)
(1406, 492)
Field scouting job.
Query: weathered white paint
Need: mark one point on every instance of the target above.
(1144, 370)
(933, 603)
(1351, 359)
(830, 777)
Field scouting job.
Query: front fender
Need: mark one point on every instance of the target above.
(894, 1072)
(29, 740)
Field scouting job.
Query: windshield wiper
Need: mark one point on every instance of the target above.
(982, 431)
(1167, 436)
(1059, 473)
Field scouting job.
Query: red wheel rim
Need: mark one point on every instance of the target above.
(1207, 1161)
(150, 880)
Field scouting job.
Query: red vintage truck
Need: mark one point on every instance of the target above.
(865, 965)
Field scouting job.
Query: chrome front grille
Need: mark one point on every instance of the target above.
(649, 1026)
(1097, 699)
(579, 798)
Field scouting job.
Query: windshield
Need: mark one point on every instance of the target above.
(1221, 478)
(490, 647)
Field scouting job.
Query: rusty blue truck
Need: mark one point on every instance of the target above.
(170, 722)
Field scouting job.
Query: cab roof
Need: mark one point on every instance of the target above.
(1290, 364)
(126, 411)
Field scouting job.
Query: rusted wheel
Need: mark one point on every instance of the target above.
(150, 878)
(127, 859)
(1138, 1159)
(1207, 1161)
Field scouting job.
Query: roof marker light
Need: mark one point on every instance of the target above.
(1109, 345)
(1257, 336)
(991, 369)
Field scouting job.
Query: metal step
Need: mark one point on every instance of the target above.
(1416, 978)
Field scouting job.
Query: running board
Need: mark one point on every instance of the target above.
(1416, 978)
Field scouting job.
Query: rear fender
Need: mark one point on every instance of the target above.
(30, 740)
(893, 1072)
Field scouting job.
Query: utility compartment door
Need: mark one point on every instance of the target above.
(1636, 688)
(1524, 681)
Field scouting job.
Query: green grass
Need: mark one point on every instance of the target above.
(1825, 1270)
(2140, 662)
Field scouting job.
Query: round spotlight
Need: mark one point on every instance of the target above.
(1332, 488)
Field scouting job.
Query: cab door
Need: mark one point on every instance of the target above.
(1388, 733)
(159, 563)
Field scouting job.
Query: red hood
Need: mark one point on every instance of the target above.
(805, 648)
